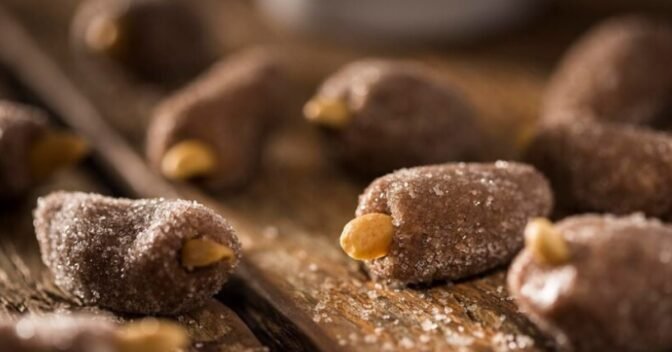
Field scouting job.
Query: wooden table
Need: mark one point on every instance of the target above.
(295, 289)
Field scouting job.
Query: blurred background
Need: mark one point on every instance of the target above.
(500, 53)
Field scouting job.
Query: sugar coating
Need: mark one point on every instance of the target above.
(58, 333)
(20, 126)
(620, 71)
(401, 117)
(454, 220)
(230, 108)
(124, 254)
(606, 167)
(614, 294)
(162, 41)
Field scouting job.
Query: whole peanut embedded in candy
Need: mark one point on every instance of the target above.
(544, 242)
(212, 131)
(29, 150)
(619, 72)
(383, 115)
(444, 222)
(610, 290)
(161, 41)
(606, 167)
(151, 256)
(84, 333)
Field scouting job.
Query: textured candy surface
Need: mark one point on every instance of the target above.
(124, 254)
(20, 126)
(58, 333)
(454, 220)
(614, 294)
(620, 72)
(401, 117)
(606, 167)
(230, 108)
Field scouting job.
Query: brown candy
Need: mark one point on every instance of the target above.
(619, 71)
(29, 151)
(613, 293)
(20, 127)
(63, 333)
(448, 221)
(161, 41)
(84, 333)
(383, 115)
(227, 113)
(150, 256)
(606, 167)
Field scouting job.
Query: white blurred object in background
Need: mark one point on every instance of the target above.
(393, 20)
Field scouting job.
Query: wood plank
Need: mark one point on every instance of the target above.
(297, 287)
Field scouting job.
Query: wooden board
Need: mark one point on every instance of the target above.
(295, 288)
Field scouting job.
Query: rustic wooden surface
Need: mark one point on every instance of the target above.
(27, 287)
(296, 289)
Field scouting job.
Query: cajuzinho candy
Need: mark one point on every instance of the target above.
(148, 256)
(444, 222)
(597, 282)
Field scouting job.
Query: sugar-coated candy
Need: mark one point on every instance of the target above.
(213, 131)
(160, 41)
(606, 167)
(149, 256)
(610, 292)
(620, 72)
(29, 150)
(379, 115)
(445, 222)
(80, 332)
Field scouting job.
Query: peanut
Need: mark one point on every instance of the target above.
(188, 159)
(201, 252)
(545, 243)
(102, 34)
(152, 335)
(332, 113)
(55, 150)
(368, 237)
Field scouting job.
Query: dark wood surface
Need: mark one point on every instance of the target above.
(296, 289)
